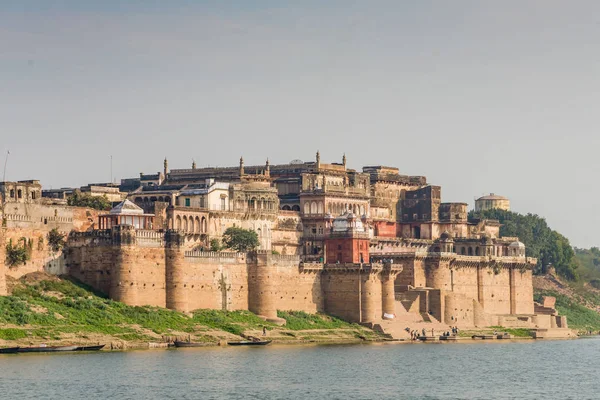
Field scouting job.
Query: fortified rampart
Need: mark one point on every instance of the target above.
(470, 290)
(154, 268)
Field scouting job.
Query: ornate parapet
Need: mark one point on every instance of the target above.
(148, 238)
(523, 263)
(353, 267)
(214, 256)
(311, 266)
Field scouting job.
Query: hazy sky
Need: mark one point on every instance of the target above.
(478, 96)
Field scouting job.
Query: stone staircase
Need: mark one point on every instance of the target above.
(542, 310)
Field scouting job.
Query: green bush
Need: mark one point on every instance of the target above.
(17, 254)
(12, 334)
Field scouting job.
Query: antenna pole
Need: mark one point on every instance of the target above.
(5, 162)
(111, 170)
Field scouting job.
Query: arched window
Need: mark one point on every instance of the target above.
(296, 208)
(286, 208)
(313, 207)
(470, 251)
(477, 251)
(307, 208)
(463, 251)
(185, 224)
(204, 226)
(320, 207)
(192, 227)
(12, 193)
(178, 223)
(20, 194)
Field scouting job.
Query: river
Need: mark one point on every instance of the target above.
(475, 370)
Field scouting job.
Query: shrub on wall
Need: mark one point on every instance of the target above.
(215, 245)
(56, 240)
(17, 254)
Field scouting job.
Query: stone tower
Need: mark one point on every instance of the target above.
(176, 287)
(123, 286)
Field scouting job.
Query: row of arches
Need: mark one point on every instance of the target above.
(499, 251)
(256, 204)
(189, 224)
(340, 208)
(313, 207)
(295, 207)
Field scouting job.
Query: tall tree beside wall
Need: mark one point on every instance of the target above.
(239, 239)
(78, 199)
(547, 245)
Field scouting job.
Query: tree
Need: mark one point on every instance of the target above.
(56, 240)
(17, 254)
(239, 239)
(79, 199)
(547, 245)
(215, 245)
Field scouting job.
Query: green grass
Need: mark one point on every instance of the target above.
(235, 322)
(299, 320)
(80, 311)
(48, 309)
(516, 332)
(578, 316)
(12, 334)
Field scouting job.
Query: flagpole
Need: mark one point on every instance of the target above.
(5, 162)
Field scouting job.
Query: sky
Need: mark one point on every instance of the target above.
(478, 96)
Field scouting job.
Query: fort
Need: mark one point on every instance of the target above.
(373, 247)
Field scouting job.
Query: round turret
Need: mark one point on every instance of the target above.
(516, 249)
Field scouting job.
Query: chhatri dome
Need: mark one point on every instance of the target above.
(348, 222)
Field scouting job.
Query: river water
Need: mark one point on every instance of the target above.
(475, 370)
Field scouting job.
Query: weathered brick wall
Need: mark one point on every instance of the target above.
(2, 265)
(276, 283)
(33, 222)
(212, 280)
(341, 295)
(413, 272)
(496, 291)
(523, 291)
(458, 310)
(465, 281)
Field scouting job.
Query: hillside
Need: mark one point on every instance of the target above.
(46, 309)
(578, 301)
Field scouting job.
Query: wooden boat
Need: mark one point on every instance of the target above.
(448, 338)
(483, 337)
(46, 349)
(188, 344)
(250, 343)
(90, 348)
(9, 350)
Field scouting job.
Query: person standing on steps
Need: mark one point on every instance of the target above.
(264, 331)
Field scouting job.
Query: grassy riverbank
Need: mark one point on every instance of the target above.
(578, 301)
(45, 309)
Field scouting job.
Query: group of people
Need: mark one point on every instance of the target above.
(416, 335)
